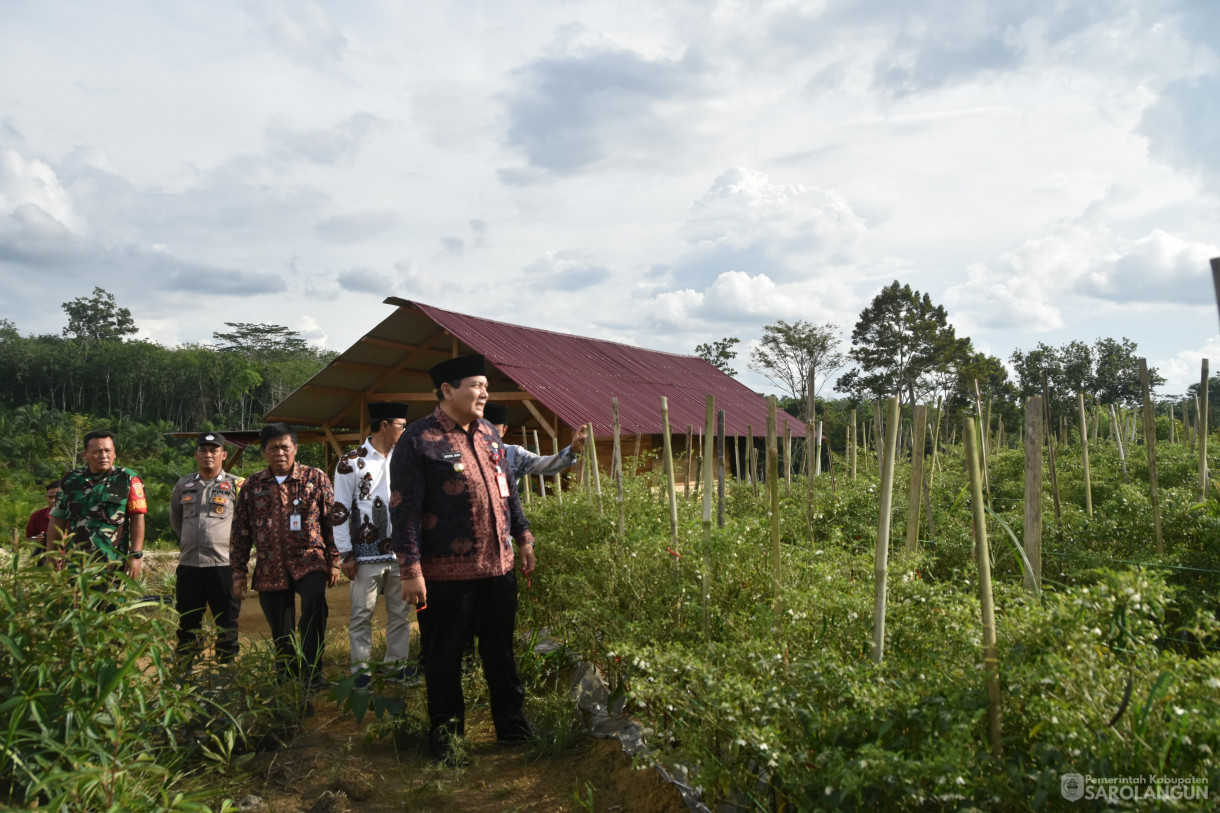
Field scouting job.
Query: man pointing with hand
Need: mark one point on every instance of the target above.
(455, 514)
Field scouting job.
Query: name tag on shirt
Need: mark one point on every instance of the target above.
(502, 481)
(294, 522)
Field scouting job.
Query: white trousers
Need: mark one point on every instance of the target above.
(370, 577)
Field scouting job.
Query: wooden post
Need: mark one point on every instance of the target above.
(1150, 445)
(1202, 423)
(1118, 437)
(777, 561)
(919, 424)
(558, 477)
(751, 459)
(1033, 492)
(991, 660)
(668, 456)
(617, 465)
(708, 453)
(1084, 454)
(1171, 423)
(635, 458)
(720, 468)
(881, 559)
(594, 469)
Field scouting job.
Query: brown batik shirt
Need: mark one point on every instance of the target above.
(449, 521)
(262, 520)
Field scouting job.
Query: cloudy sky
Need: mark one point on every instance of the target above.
(661, 174)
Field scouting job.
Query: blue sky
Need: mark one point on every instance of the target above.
(662, 174)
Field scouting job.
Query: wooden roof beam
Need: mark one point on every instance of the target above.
(388, 374)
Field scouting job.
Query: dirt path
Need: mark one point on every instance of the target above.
(330, 768)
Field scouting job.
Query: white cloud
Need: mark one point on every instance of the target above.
(1185, 368)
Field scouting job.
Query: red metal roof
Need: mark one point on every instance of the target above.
(575, 377)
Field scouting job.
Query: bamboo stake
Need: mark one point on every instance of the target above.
(1171, 423)
(1046, 402)
(737, 458)
(817, 443)
(1150, 446)
(541, 478)
(773, 492)
(878, 433)
(751, 459)
(708, 452)
(1084, 454)
(1202, 423)
(935, 444)
(591, 445)
(810, 485)
(690, 432)
(881, 561)
(1033, 492)
(559, 476)
(991, 660)
(617, 465)
(635, 465)
(668, 455)
(525, 443)
(984, 428)
(919, 423)
(787, 458)
(852, 444)
(1118, 437)
(720, 468)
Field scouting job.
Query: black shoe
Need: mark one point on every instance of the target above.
(319, 684)
(362, 682)
(407, 675)
(450, 759)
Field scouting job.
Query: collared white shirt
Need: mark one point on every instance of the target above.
(361, 516)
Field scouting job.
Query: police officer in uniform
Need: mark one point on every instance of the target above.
(201, 513)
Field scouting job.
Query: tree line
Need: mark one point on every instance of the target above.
(96, 366)
(903, 345)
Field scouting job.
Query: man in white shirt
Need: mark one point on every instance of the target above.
(361, 521)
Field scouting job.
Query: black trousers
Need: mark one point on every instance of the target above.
(279, 607)
(456, 609)
(212, 588)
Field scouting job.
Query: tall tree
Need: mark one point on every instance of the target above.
(98, 317)
(789, 355)
(251, 339)
(900, 342)
(719, 354)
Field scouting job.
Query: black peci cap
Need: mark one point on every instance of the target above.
(496, 413)
(210, 439)
(457, 369)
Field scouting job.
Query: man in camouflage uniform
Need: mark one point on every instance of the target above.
(100, 508)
